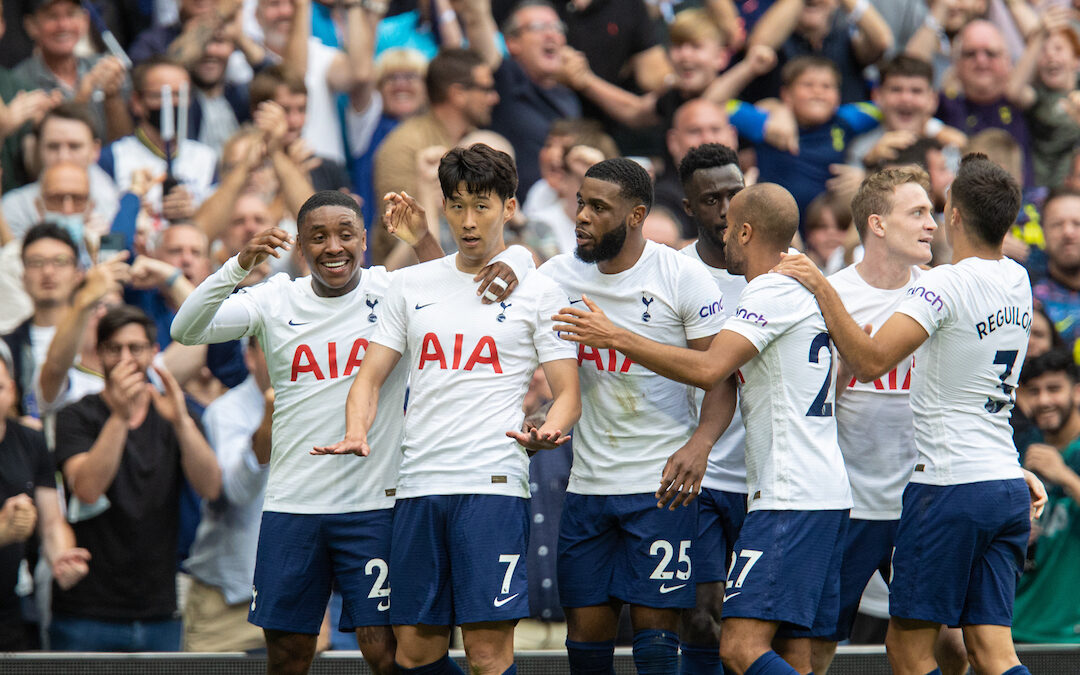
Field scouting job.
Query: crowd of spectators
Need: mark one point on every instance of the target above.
(134, 166)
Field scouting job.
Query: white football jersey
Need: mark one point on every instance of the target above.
(727, 461)
(313, 346)
(632, 419)
(786, 392)
(469, 366)
(873, 419)
(978, 315)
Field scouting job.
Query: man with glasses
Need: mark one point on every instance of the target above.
(982, 67)
(50, 275)
(461, 91)
(122, 454)
(530, 94)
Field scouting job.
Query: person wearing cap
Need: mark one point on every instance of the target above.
(56, 26)
(28, 499)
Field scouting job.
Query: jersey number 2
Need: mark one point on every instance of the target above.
(821, 408)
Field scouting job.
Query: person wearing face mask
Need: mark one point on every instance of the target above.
(65, 201)
(194, 165)
(65, 134)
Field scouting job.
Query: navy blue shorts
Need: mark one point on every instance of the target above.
(786, 568)
(623, 547)
(459, 559)
(959, 552)
(869, 548)
(720, 517)
(301, 556)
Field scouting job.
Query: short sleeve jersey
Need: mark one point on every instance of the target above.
(631, 418)
(978, 316)
(786, 392)
(873, 419)
(314, 346)
(727, 461)
(469, 367)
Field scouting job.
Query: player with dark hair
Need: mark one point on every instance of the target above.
(325, 520)
(710, 178)
(963, 533)
(636, 430)
(780, 585)
(461, 519)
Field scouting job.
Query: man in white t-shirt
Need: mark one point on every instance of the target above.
(637, 430)
(963, 532)
(710, 178)
(462, 516)
(325, 520)
(783, 581)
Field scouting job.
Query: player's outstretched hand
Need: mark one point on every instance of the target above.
(349, 446)
(536, 439)
(591, 327)
(1038, 493)
(802, 269)
(263, 245)
(497, 282)
(680, 483)
(404, 217)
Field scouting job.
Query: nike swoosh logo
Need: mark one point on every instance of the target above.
(419, 306)
(302, 323)
(728, 597)
(499, 603)
(668, 589)
(574, 302)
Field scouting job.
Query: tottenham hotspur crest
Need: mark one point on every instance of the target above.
(371, 305)
(502, 314)
(645, 316)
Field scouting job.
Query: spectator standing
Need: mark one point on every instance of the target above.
(222, 559)
(28, 494)
(130, 445)
(1059, 291)
(1050, 389)
(56, 26)
(65, 134)
(527, 82)
(461, 91)
(50, 261)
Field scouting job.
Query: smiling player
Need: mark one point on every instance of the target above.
(325, 519)
(462, 515)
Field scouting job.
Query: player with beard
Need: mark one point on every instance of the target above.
(636, 429)
(783, 579)
(711, 177)
(325, 520)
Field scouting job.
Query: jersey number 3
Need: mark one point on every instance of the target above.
(821, 408)
(1007, 358)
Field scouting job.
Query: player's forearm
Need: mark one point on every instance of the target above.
(428, 248)
(96, 469)
(361, 405)
(688, 366)
(261, 439)
(717, 409)
(861, 354)
(195, 323)
(197, 459)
